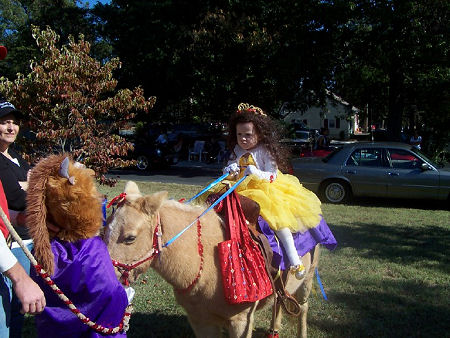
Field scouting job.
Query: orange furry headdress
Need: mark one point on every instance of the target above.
(63, 193)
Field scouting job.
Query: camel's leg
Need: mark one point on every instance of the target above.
(302, 327)
(242, 327)
(203, 330)
(303, 294)
(276, 324)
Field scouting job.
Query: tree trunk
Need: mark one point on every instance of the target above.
(396, 102)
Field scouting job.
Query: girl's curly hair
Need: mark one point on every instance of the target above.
(268, 133)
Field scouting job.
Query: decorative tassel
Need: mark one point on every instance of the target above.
(273, 334)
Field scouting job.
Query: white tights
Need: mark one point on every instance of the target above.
(286, 239)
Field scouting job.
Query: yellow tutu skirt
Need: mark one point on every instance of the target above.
(284, 203)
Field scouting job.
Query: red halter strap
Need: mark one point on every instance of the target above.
(118, 200)
(200, 253)
(125, 269)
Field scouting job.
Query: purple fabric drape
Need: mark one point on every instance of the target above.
(304, 242)
(84, 272)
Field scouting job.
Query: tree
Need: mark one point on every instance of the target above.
(63, 16)
(71, 104)
(393, 57)
(204, 57)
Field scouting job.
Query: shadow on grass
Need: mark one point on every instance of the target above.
(398, 305)
(186, 172)
(401, 203)
(398, 244)
(158, 325)
(152, 325)
(400, 309)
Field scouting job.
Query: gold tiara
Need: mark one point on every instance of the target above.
(246, 107)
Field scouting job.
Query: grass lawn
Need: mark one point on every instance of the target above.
(389, 276)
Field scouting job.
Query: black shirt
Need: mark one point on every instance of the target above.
(10, 175)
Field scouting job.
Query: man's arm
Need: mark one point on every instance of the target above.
(29, 293)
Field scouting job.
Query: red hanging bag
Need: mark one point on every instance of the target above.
(243, 269)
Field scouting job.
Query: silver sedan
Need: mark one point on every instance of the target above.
(377, 169)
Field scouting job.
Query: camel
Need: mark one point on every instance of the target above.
(130, 235)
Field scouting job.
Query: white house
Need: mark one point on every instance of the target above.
(337, 115)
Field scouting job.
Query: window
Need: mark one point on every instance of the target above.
(331, 124)
(338, 123)
(403, 159)
(371, 157)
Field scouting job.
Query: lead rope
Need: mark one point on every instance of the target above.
(124, 323)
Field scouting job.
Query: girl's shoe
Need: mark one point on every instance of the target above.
(298, 270)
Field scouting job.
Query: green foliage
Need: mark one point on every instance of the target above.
(203, 58)
(18, 17)
(72, 105)
(393, 57)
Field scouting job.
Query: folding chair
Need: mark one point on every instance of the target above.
(197, 150)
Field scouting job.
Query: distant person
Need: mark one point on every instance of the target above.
(162, 138)
(179, 143)
(322, 141)
(416, 140)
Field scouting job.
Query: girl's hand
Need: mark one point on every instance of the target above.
(252, 170)
(265, 175)
(232, 169)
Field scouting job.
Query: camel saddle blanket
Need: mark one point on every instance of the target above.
(304, 242)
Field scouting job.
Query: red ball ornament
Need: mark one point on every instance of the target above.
(3, 52)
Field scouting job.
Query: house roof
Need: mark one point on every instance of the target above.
(331, 96)
(341, 100)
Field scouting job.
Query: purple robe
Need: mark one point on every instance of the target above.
(304, 242)
(85, 274)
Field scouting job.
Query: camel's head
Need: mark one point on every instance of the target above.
(130, 229)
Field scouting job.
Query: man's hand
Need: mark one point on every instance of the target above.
(28, 292)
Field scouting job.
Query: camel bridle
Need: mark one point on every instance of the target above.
(125, 269)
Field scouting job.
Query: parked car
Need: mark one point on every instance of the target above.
(373, 169)
(306, 152)
(302, 141)
(311, 152)
(149, 156)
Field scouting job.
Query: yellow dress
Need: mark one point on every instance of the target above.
(284, 203)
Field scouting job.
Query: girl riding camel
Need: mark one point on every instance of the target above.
(285, 204)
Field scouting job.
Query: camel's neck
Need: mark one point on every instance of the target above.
(179, 260)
